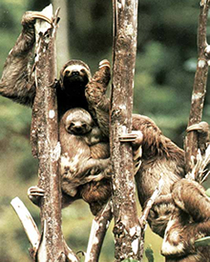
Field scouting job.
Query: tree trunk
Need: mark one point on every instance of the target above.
(45, 128)
(62, 44)
(126, 229)
(199, 87)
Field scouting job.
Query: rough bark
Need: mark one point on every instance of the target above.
(45, 129)
(44, 133)
(199, 87)
(126, 229)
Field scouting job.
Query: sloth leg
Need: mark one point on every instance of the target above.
(190, 196)
(202, 129)
(93, 167)
(136, 139)
(16, 82)
(189, 223)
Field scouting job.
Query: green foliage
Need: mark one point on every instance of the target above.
(208, 192)
(149, 254)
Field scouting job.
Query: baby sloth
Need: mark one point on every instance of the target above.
(84, 163)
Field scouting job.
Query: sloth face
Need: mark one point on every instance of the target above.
(78, 121)
(74, 74)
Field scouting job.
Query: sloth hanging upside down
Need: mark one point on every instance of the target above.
(182, 213)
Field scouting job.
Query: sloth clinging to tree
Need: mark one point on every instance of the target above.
(181, 214)
(17, 82)
(160, 154)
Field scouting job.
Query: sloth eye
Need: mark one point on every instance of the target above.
(167, 212)
(153, 213)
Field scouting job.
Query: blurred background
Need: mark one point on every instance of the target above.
(165, 68)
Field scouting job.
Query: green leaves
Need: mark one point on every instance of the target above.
(208, 192)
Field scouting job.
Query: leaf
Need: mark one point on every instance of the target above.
(208, 192)
(205, 241)
(149, 254)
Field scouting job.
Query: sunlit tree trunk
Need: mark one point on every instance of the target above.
(126, 229)
(63, 54)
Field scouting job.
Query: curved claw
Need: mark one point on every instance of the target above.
(35, 193)
(43, 17)
(104, 63)
(202, 127)
(31, 15)
(135, 136)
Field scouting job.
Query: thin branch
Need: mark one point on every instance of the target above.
(199, 87)
(99, 227)
(28, 223)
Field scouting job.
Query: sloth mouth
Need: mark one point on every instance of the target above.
(75, 81)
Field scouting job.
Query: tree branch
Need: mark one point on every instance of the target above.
(99, 227)
(199, 87)
(126, 229)
(28, 223)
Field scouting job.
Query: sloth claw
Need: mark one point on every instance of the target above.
(35, 194)
(201, 127)
(30, 16)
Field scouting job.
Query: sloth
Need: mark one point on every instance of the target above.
(181, 214)
(18, 83)
(84, 164)
(160, 155)
(85, 167)
(84, 158)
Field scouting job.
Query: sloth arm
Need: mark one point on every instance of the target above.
(17, 82)
(98, 163)
(95, 93)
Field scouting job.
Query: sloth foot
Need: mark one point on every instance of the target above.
(35, 194)
(136, 138)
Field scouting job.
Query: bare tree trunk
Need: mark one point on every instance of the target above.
(199, 87)
(45, 128)
(126, 229)
(62, 43)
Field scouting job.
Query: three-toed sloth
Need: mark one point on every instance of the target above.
(84, 159)
(182, 212)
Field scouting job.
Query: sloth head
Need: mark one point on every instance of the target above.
(74, 74)
(77, 121)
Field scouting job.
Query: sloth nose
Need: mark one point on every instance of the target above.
(77, 129)
(75, 73)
